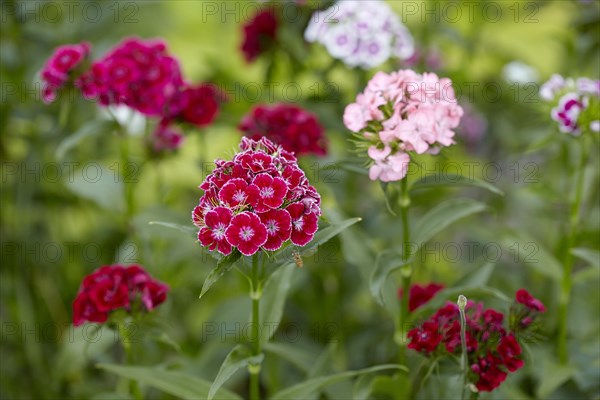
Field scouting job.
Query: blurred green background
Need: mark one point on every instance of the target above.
(59, 223)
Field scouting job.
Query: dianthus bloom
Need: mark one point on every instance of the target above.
(493, 350)
(114, 287)
(165, 138)
(420, 294)
(194, 104)
(259, 33)
(577, 103)
(138, 73)
(360, 33)
(62, 67)
(402, 113)
(295, 129)
(259, 200)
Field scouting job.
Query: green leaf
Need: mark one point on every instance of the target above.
(223, 266)
(553, 376)
(532, 254)
(479, 277)
(182, 228)
(239, 357)
(306, 388)
(111, 396)
(92, 128)
(273, 300)
(387, 262)
(450, 180)
(442, 216)
(172, 382)
(301, 357)
(99, 185)
(589, 255)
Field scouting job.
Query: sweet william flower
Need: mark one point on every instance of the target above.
(247, 233)
(116, 287)
(270, 192)
(259, 33)
(425, 338)
(510, 350)
(304, 225)
(61, 67)
(419, 295)
(279, 228)
(212, 235)
(524, 297)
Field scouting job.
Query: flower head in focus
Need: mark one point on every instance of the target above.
(114, 287)
(62, 67)
(258, 200)
(399, 114)
(292, 127)
(360, 33)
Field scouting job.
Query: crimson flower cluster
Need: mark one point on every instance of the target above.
(294, 128)
(420, 294)
(113, 287)
(259, 33)
(60, 67)
(139, 74)
(493, 350)
(260, 199)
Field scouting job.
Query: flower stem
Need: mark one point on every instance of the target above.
(255, 295)
(462, 303)
(134, 388)
(407, 269)
(567, 280)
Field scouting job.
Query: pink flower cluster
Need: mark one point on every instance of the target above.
(400, 113)
(297, 130)
(492, 350)
(113, 287)
(259, 33)
(138, 73)
(578, 103)
(260, 199)
(61, 66)
(166, 138)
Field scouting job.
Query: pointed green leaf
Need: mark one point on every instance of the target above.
(479, 277)
(442, 216)
(531, 253)
(182, 228)
(273, 300)
(387, 262)
(305, 389)
(239, 357)
(175, 383)
(92, 128)
(450, 180)
(223, 266)
(589, 255)
(302, 358)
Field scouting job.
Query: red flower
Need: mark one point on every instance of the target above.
(425, 338)
(213, 234)
(279, 228)
(237, 192)
(197, 105)
(510, 350)
(247, 233)
(112, 287)
(259, 32)
(295, 129)
(57, 70)
(304, 225)
(271, 192)
(419, 295)
(524, 297)
(165, 138)
(490, 376)
(256, 162)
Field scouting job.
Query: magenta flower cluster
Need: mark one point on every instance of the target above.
(60, 68)
(400, 113)
(258, 200)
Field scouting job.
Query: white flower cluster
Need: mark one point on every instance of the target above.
(361, 33)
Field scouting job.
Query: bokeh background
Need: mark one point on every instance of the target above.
(58, 223)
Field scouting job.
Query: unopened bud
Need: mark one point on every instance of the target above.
(462, 302)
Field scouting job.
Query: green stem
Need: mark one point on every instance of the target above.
(567, 280)
(134, 388)
(407, 269)
(462, 303)
(255, 295)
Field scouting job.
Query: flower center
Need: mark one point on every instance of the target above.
(239, 196)
(272, 227)
(267, 192)
(246, 233)
(219, 231)
(299, 223)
